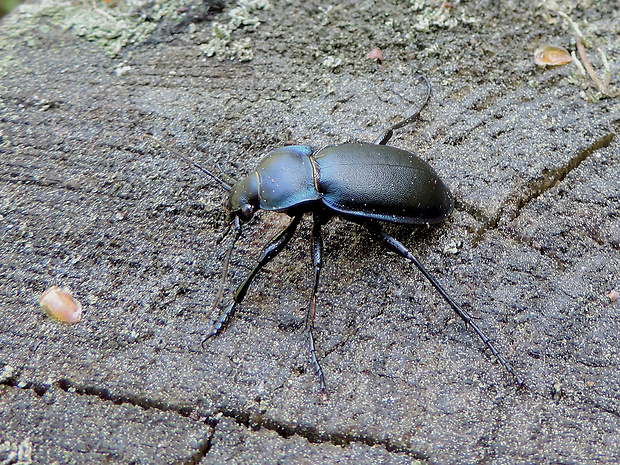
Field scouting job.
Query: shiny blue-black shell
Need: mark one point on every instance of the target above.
(358, 180)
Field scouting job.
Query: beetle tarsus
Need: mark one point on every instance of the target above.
(224, 319)
(317, 260)
(315, 362)
(221, 322)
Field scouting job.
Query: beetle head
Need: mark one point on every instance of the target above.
(243, 200)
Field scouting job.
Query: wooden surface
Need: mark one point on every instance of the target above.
(86, 201)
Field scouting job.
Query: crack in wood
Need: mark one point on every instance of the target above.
(532, 190)
(253, 421)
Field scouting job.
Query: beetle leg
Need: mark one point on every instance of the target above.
(387, 135)
(395, 246)
(273, 248)
(317, 259)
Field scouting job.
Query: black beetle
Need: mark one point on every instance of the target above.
(362, 182)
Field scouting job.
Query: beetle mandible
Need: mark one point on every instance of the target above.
(361, 182)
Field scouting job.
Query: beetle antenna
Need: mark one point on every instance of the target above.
(220, 291)
(387, 135)
(222, 183)
(226, 177)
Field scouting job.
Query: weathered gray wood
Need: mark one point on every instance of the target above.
(87, 202)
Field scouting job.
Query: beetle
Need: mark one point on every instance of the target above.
(366, 183)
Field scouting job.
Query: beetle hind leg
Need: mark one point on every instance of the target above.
(395, 246)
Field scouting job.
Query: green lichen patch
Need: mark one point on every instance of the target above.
(222, 44)
(111, 25)
(440, 14)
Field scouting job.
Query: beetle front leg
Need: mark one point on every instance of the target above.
(317, 259)
(395, 246)
(271, 250)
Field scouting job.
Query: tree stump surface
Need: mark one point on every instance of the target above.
(87, 201)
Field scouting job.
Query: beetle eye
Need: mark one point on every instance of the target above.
(246, 212)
